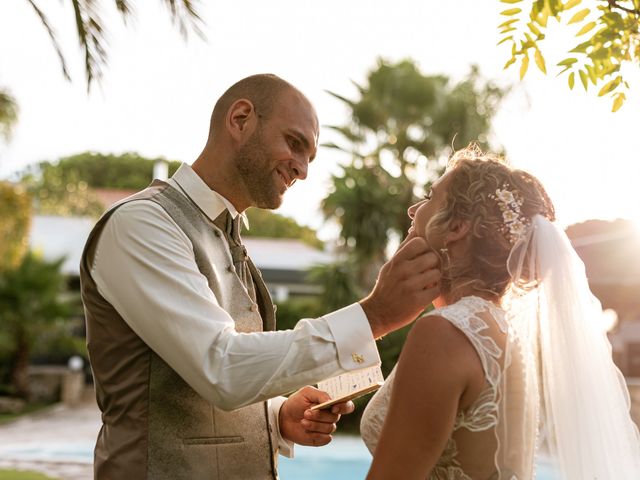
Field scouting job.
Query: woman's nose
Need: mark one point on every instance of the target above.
(412, 211)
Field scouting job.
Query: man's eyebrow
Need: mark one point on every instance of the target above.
(305, 141)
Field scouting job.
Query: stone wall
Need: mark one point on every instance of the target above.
(52, 383)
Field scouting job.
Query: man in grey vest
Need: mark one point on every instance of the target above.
(188, 368)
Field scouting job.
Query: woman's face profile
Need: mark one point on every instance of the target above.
(423, 211)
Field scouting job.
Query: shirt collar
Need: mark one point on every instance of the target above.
(209, 201)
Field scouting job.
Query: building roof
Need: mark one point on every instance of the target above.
(610, 251)
(109, 196)
(56, 236)
(284, 253)
(612, 257)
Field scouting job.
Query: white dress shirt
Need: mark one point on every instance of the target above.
(144, 266)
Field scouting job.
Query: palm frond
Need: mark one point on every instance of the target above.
(125, 9)
(45, 22)
(348, 132)
(91, 37)
(350, 103)
(184, 14)
(332, 145)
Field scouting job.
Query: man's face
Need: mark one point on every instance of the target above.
(279, 150)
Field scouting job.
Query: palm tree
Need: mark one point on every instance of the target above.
(90, 29)
(366, 201)
(30, 303)
(401, 127)
(402, 123)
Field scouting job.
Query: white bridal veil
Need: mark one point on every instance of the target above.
(573, 393)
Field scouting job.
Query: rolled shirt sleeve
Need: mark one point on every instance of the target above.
(144, 266)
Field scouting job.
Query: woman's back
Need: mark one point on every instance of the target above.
(475, 448)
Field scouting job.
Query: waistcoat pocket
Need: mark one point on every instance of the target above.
(212, 440)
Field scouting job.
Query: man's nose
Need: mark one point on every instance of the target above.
(299, 166)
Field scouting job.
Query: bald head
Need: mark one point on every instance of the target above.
(262, 90)
(264, 133)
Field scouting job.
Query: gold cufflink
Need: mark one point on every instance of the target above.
(357, 357)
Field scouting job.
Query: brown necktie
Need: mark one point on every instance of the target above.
(231, 228)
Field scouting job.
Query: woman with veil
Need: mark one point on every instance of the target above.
(514, 360)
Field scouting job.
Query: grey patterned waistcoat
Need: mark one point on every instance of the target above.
(155, 425)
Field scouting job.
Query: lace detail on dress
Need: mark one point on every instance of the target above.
(464, 315)
(448, 467)
(482, 415)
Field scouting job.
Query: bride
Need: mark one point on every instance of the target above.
(513, 360)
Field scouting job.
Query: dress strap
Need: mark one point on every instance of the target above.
(464, 314)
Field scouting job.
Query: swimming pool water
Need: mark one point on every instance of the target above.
(345, 458)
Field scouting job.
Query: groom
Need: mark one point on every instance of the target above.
(187, 364)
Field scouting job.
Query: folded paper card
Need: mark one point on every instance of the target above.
(350, 385)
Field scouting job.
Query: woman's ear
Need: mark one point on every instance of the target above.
(458, 229)
(240, 120)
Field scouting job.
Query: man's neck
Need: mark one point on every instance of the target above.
(219, 180)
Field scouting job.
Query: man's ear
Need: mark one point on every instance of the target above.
(241, 120)
(458, 229)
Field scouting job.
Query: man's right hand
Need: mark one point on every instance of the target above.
(406, 285)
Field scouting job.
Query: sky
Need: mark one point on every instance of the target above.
(158, 90)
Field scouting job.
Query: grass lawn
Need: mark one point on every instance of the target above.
(30, 408)
(22, 475)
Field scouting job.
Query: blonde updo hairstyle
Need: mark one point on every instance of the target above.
(475, 177)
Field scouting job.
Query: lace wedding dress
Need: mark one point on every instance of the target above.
(476, 448)
(549, 376)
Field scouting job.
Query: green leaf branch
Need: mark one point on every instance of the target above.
(608, 33)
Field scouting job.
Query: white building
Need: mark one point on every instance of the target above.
(283, 262)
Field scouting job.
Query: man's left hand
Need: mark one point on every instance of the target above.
(300, 425)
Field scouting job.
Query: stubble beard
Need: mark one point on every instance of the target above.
(256, 174)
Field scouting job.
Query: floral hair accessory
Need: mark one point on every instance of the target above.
(514, 222)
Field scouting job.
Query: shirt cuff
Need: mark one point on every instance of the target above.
(285, 447)
(354, 340)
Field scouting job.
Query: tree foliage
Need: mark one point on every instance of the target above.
(341, 286)
(369, 203)
(606, 34)
(90, 29)
(8, 114)
(405, 113)
(15, 221)
(293, 309)
(401, 127)
(128, 171)
(65, 187)
(30, 302)
(267, 224)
